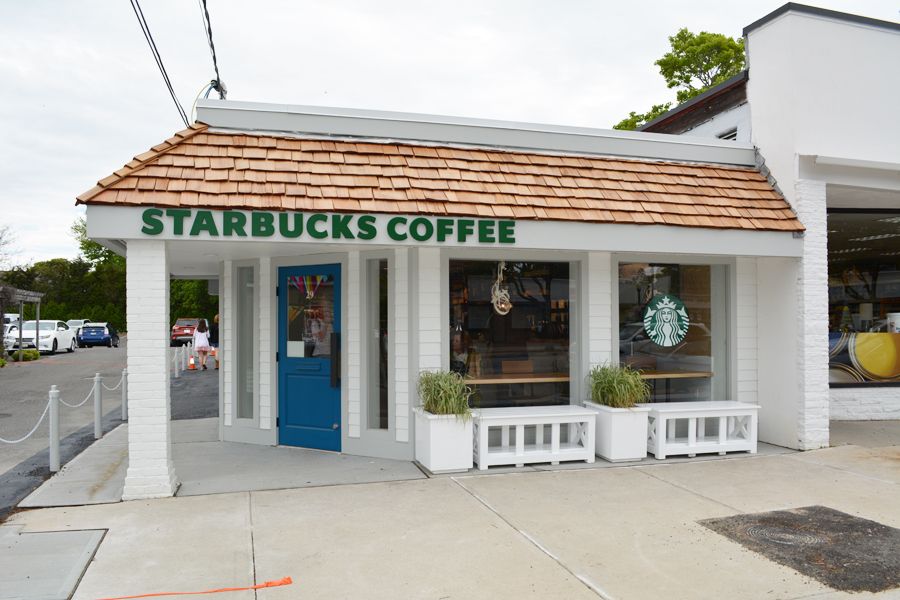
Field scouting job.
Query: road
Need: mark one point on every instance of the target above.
(25, 388)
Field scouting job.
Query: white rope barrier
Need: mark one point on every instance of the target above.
(117, 385)
(90, 393)
(44, 414)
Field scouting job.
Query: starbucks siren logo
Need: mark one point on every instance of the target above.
(666, 320)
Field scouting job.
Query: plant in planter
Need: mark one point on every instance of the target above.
(616, 392)
(443, 422)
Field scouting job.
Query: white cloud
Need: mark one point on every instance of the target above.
(81, 95)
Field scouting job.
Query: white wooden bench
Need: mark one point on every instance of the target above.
(580, 445)
(737, 428)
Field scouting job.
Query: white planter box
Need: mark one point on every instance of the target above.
(621, 432)
(443, 442)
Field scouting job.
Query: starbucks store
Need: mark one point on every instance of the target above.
(353, 250)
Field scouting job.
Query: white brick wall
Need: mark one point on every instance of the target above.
(747, 331)
(226, 342)
(266, 358)
(402, 383)
(599, 313)
(865, 404)
(429, 304)
(812, 359)
(353, 328)
(151, 473)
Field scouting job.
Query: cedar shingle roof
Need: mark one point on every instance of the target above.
(198, 168)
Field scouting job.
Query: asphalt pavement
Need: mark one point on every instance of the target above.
(24, 466)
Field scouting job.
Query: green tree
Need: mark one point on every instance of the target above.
(696, 63)
(93, 252)
(189, 298)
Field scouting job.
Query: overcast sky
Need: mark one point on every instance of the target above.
(81, 95)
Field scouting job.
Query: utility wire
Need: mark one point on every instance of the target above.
(207, 26)
(146, 30)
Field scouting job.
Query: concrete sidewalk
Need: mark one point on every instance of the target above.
(608, 532)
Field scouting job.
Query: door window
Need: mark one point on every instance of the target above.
(310, 316)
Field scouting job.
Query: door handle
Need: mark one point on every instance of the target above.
(335, 360)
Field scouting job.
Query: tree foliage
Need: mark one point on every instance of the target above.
(696, 63)
(93, 252)
(73, 289)
(7, 245)
(189, 298)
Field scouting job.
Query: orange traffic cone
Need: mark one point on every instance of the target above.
(214, 351)
(191, 365)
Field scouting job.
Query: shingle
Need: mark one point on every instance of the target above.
(198, 168)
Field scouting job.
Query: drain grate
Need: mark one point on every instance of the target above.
(839, 550)
(772, 534)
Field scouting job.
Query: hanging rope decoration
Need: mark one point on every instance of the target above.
(500, 297)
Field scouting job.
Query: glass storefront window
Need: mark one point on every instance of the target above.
(520, 358)
(310, 307)
(672, 328)
(244, 329)
(377, 413)
(863, 297)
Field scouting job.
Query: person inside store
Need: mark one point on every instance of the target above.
(463, 360)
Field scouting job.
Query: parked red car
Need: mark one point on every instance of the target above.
(183, 331)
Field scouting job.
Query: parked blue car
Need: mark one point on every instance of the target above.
(98, 334)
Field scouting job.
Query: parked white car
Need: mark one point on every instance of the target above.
(10, 333)
(54, 335)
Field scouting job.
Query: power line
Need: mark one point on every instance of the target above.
(219, 84)
(146, 29)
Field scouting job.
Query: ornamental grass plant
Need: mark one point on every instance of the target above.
(617, 386)
(445, 393)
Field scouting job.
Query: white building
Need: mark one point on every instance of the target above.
(389, 230)
(819, 102)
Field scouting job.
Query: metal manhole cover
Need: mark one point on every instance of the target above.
(772, 534)
(839, 550)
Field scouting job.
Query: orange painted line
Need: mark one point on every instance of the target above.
(285, 581)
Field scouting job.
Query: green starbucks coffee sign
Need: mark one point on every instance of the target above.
(321, 226)
(666, 320)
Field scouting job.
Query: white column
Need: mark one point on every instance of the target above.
(402, 383)
(747, 331)
(812, 305)
(266, 359)
(599, 308)
(226, 343)
(429, 308)
(353, 337)
(151, 473)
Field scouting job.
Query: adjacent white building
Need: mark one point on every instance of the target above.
(818, 102)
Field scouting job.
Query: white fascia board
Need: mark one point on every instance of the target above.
(289, 120)
(125, 223)
(857, 163)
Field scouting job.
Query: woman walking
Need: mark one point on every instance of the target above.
(201, 343)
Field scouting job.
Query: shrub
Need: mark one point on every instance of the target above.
(445, 393)
(617, 386)
(2, 363)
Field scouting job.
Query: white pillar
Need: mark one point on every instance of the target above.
(151, 473)
(747, 330)
(812, 305)
(402, 384)
(351, 342)
(599, 309)
(429, 310)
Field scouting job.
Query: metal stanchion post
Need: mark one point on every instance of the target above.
(124, 394)
(54, 429)
(98, 407)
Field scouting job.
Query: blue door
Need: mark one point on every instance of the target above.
(309, 321)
